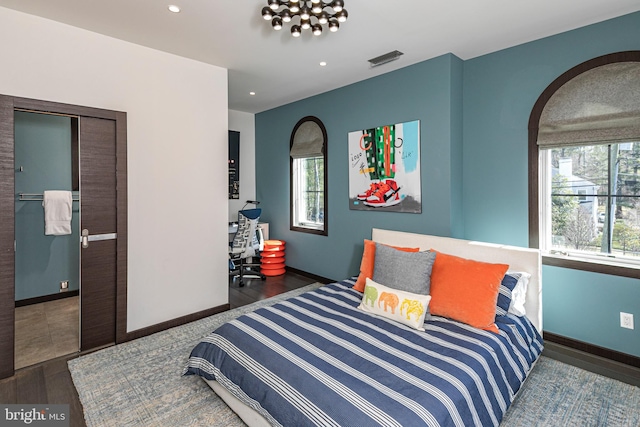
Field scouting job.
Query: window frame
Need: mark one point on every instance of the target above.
(616, 268)
(324, 231)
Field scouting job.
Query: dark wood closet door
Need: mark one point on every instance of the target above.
(98, 213)
(103, 145)
(7, 266)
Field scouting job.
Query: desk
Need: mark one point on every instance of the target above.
(233, 229)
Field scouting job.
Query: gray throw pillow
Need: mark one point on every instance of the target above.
(406, 271)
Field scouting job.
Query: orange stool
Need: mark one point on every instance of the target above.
(272, 261)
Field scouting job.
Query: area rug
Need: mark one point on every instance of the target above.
(140, 383)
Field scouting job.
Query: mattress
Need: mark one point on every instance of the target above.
(316, 359)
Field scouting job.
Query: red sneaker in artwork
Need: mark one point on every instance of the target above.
(370, 192)
(386, 195)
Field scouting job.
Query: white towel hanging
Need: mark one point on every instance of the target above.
(57, 212)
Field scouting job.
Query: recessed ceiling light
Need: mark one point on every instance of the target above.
(323, 64)
(173, 8)
(252, 93)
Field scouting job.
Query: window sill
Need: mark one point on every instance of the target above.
(308, 230)
(611, 267)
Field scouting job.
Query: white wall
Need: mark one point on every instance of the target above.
(245, 124)
(177, 152)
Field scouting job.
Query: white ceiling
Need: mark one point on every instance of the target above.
(282, 69)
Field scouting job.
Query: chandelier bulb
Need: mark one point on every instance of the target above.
(337, 5)
(295, 30)
(274, 4)
(342, 15)
(317, 29)
(266, 13)
(305, 13)
(334, 25)
(276, 23)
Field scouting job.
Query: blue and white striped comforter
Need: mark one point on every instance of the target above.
(317, 360)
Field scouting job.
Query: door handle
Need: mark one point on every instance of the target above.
(86, 238)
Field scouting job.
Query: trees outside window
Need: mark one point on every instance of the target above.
(593, 199)
(308, 193)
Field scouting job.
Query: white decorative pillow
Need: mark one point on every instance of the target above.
(519, 293)
(402, 306)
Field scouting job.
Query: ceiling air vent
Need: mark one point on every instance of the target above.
(383, 59)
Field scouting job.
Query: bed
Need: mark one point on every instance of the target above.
(321, 359)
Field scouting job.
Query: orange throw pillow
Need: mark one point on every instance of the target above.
(368, 262)
(466, 290)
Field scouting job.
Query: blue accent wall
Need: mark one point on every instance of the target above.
(586, 306)
(43, 149)
(500, 90)
(474, 163)
(419, 92)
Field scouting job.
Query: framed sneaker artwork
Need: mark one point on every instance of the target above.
(384, 168)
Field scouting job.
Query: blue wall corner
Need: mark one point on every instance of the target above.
(419, 92)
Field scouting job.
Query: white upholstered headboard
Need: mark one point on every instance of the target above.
(519, 259)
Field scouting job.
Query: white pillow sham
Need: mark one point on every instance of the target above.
(401, 306)
(519, 293)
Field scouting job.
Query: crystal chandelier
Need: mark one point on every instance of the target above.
(312, 14)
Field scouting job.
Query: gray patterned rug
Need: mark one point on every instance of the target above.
(139, 383)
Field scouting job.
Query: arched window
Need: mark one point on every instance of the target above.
(584, 167)
(308, 172)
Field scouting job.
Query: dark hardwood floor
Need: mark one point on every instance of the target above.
(50, 382)
(45, 383)
(256, 289)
